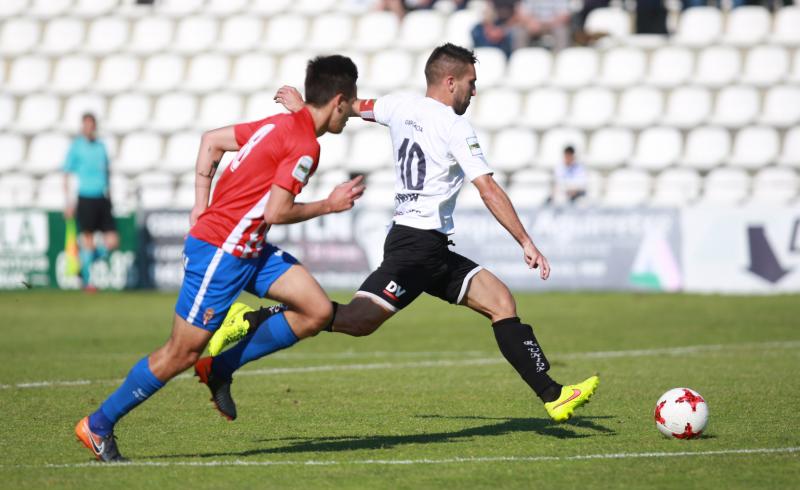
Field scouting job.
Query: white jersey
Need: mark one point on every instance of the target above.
(434, 149)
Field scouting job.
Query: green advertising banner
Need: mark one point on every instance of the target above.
(32, 253)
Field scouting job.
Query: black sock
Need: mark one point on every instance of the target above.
(329, 326)
(259, 316)
(521, 350)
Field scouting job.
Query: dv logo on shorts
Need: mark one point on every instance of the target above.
(393, 290)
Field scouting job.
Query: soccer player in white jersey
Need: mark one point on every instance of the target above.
(435, 149)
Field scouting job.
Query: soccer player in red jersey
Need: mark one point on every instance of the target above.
(226, 252)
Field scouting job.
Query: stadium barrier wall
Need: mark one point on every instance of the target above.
(695, 249)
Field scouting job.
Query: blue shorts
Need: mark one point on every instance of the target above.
(213, 279)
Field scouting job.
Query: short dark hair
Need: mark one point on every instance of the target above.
(448, 59)
(89, 115)
(327, 76)
(569, 149)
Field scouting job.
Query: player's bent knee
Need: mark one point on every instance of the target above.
(363, 327)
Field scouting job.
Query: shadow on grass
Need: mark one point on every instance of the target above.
(497, 427)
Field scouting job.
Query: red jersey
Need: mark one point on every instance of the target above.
(281, 150)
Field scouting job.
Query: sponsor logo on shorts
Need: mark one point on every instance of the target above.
(208, 315)
(303, 168)
(393, 290)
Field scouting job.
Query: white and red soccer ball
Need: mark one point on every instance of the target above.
(681, 413)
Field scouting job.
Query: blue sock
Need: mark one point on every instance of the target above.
(271, 336)
(87, 258)
(140, 384)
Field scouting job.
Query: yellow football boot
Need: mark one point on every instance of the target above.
(572, 397)
(233, 329)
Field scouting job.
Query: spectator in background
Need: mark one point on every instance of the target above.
(651, 17)
(402, 7)
(569, 182)
(498, 27)
(87, 158)
(547, 23)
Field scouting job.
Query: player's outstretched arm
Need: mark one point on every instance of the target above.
(291, 99)
(503, 210)
(213, 145)
(281, 208)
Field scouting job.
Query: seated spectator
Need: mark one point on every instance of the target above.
(547, 23)
(569, 180)
(498, 28)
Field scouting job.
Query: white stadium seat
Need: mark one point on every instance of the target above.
(687, 107)
(19, 36)
(72, 73)
(781, 106)
(8, 110)
(225, 8)
(421, 30)
(459, 26)
(174, 111)
(725, 186)
(128, 112)
(179, 8)
(91, 9)
(252, 72)
(371, 150)
(138, 152)
(699, 26)
(774, 185)
(389, 70)
(545, 108)
(657, 148)
(62, 36)
(639, 107)
(268, 8)
(529, 67)
(670, 67)
(794, 76)
(591, 108)
(207, 73)
(17, 191)
(313, 7)
(156, 190)
(513, 149)
(46, 153)
(285, 33)
(195, 35)
(747, 25)
(615, 22)
(48, 9)
(623, 67)
(676, 187)
(627, 187)
(162, 73)
(292, 70)
(791, 148)
(609, 148)
(151, 35)
(755, 147)
(220, 109)
(330, 32)
(50, 193)
(575, 67)
(12, 151)
(706, 147)
(78, 105)
(180, 153)
(107, 35)
(785, 30)
(736, 106)
(117, 74)
(551, 150)
(240, 34)
(490, 68)
(11, 8)
(375, 31)
(765, 66)
(333, 151)
(38, 112)
(718, 66)
(530, 187)
(496, 109)
(27, 75)
(260, 106)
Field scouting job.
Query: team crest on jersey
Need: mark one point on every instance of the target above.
(303, 169)
(474, 146)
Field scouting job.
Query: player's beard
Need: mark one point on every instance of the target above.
(461, 107)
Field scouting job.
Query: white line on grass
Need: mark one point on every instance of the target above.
(668, 351)
(469, 460)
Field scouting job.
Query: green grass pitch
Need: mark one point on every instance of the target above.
(426, 402)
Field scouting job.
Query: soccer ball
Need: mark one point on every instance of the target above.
(681, 413)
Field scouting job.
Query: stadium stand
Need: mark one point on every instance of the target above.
(709, 114)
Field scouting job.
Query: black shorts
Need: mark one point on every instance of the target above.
(417, 261)
(94, 214)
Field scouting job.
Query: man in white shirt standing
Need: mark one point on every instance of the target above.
(569, 179)
(435, 149)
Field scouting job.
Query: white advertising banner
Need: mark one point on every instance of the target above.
(741, 250)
